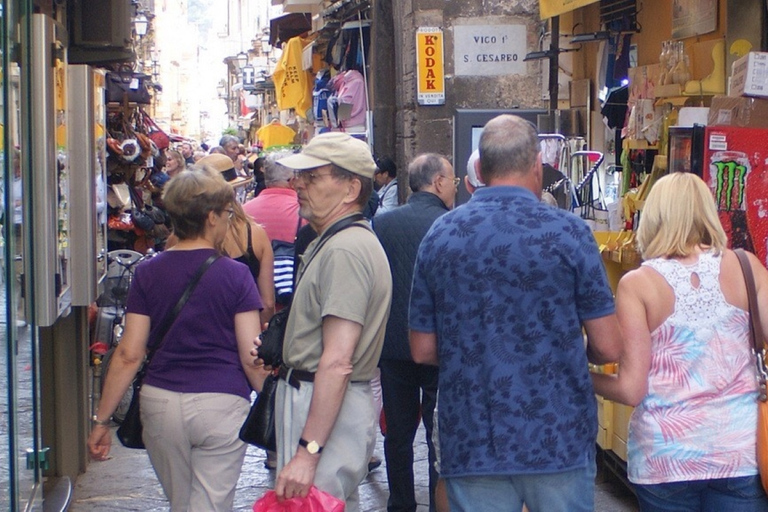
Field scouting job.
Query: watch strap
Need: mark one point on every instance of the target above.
(304, 443)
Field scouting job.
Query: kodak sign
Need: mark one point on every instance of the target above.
(430, 68)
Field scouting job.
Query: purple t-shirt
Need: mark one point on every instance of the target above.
(199, 354)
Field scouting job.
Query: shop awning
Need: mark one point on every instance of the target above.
(550, 8)
(283, 28)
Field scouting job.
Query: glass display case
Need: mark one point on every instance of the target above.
(686, 149)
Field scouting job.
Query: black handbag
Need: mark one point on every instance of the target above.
(132, 86)
(259, 426)
(271, 349)
(142, 220)
(131, 430)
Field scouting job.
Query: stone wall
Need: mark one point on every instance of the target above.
(418, 128)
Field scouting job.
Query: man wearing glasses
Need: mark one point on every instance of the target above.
(335, 332)
(409, 388)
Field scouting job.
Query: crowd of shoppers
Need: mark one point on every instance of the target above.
(485, 305)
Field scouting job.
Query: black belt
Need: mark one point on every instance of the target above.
(295, 377)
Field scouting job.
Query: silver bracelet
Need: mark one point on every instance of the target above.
(103, 423)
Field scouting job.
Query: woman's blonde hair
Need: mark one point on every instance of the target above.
(172, 154)
(238, 224)
(679, 215)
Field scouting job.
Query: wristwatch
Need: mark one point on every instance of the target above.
(103, 423)
(312, 447)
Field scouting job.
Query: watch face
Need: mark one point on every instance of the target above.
(313, 447)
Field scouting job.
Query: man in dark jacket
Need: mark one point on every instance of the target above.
(400, 231)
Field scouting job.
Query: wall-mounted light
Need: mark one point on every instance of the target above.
(537, 55)
(141, 25)
(266, 48)
(602, 35)
(242, 59)
(546, 54)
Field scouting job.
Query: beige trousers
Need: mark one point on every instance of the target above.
(192, 442)
(344, 460)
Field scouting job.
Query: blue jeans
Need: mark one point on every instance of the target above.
(569, 491)
(740, 494)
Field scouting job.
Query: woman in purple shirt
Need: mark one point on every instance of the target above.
(197, 388)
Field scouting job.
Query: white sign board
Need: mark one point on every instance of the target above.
(489, 50)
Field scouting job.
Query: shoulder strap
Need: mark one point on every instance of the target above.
(755, 327)
(250, 242)
(171, 316)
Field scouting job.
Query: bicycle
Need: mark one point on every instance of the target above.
(110, 321)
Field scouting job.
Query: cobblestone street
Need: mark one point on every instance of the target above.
(127, 482)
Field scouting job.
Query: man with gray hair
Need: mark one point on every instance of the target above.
(409, 389)
(231, 146)
(324, 410)
(276, 208)
(501, 290)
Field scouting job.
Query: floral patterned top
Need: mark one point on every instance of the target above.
(505, 282)
(698, 421)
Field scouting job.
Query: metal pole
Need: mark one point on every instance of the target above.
(554, 62)
(368, 113)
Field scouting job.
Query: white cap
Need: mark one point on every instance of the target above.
(474, 179)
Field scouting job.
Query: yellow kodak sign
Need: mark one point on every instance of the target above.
(430, 67)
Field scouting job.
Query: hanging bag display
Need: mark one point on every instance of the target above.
(758, 343)
(154, 132)
(130, 431)
(128, 85)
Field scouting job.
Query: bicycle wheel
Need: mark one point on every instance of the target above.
(122, 408)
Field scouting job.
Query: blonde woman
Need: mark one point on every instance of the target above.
(246, 241)
(174, 163)
(687, 365)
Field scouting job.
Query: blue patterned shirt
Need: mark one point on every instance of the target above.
(505, 283)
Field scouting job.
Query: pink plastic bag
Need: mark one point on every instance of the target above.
(316, 501)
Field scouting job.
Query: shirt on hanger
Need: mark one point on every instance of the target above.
(275, 134)
(293, 85)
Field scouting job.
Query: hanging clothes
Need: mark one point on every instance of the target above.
(293, 85)
(320, 94)
(352, 91)
(275, 134)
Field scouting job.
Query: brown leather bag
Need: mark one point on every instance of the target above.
(758, 342)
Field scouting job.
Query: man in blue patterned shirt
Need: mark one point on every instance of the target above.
(501, 289)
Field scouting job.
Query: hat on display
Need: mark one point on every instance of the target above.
(224, 165)
(131, 149)
(474, 179)
(336, 148)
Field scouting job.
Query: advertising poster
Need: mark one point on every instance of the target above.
(430, 66)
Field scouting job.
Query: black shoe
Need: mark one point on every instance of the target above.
(373, 463)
